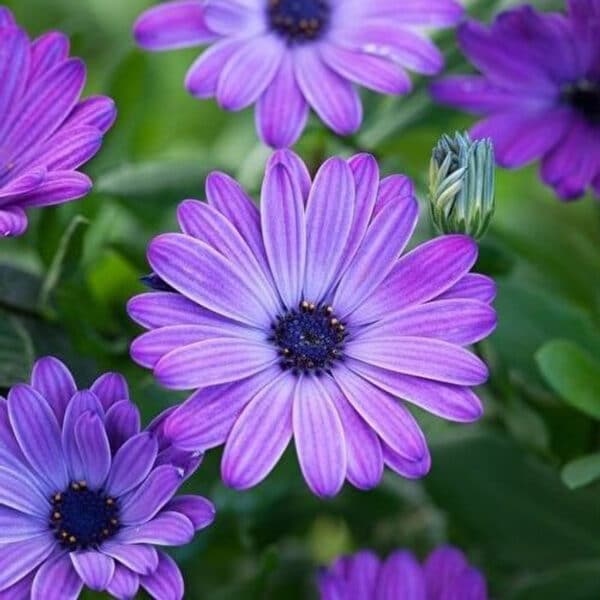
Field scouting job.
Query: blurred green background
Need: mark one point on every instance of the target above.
(517, 491)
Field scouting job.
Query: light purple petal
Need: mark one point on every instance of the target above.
(125, 583)
(14, 69)
(95, 111)
(53, 380)
(140, 558)
(319, 438)
(362, 573)
(401, 574)
(472, 287)
(17, 526)
(13, 221)
(394, 188)
(168, 528)
(122, 422)
(6, 17)
(95, 569)
(18, 491)
(431, 13)
(56, 580)
(295, 166)
(22, 185)
(407, 468)
(110, 388)
(20, 558)
(166, 583)
(94, 448)
(260, 435)
(234, 17)
(282, 111)
(176, 24)
(59, 187)
(21, 589)
(69, 148)
(200, 511)
(38, 434)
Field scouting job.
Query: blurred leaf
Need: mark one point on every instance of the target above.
(518, 509)
(19, 290)
(572, 374)
(16, 351)
(581, 471)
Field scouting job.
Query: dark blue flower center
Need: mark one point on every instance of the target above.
(299, 20)
(584, 96)
(83, 518)
(309, 339)
(154, 282)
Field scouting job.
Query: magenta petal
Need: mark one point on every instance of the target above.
(13, 221)
(51, 378)
(56, 580)
(140, 558)
(95, 569)
(20, 558)
(199, 510)
(175, 24)
(124, 584)
(166, 583)
(260, 435)
(401, 571)
(168, 528)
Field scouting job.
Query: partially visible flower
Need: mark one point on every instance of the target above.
(445, 575)
(46, 132)
(85, 495)
(302, 320)
(462, 185)
(288, 55)
(539, 91)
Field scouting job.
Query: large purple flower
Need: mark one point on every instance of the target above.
(46, 132)
(539, 91)
(445, 575)
(289, 55)
(85, 495)
(302, 320)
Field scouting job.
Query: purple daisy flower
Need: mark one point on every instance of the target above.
(301, 320)
(445, 575)
(46, 132)
(288, 55)
(85, 495)
(539, 91)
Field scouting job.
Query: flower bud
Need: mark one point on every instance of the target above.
(462, 185)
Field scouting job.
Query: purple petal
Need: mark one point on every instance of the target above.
(406, 468)
(260, 435)
(395, 188)
(124, 584)
(47, 51)
(70, 148)
(22, 185)
(204, 275)
(38, 434)
(158, 488)
(20, 558)
(95, 111)
(383, 243)
(333, 98)
(17, 526)
(206, 418)
(448, 401)
(6, 17)
(472, 287)
(122, 422)
(53, 380)
(94, 448)
(284, 231)
(56, 580)
(96, 569)
(140, 558)
(10, 451)
(390, 420)
(441, 568)
(325, 215)
(14, 69)
(168, 528)
(166, 583)
(132, 463)
(295, 166)
(110, 388)
(13, 221)
(431, 13)
(199, 510)
(18, 491)
(282, 111)
(176, 24)
(319, 438)
(362, 574)
(234, 18)
(59, 187)
(401, 572)
(21, 589)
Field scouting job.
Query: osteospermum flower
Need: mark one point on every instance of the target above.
(446, 574)
(288, 55)
(301, 320)
(46, 132)
(85, 495)
(539, 91)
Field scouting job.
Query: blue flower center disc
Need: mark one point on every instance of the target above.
(299, 20)
(585, 98)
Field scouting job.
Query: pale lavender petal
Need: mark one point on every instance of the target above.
(110, 388)
(17, 526)
(125, 583)
(53, 380)
(390, 420)
(234, 17)
(158, 488)
(13, 221)
(329, 219)
(37, 431)
(472, 287)
(401, 574)
(20, 558)
(95, 569)
(122, 422)
(132, 463)
(200, 511)
(282, 111)
(168, 528)
(319, 438)
(18, 491)
(94, 448)
(260, 435)
(166, 583)
(140, 558)
(295, 166)
(407, 468)
(58, 187)
(22, 589)
(284, 231)
(56, 580)
(429, 13)
(175, 24)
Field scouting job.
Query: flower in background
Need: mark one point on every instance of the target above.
(288, 55)
(85, 495)
(302, 320)
(539, 91)
(446, 574)
(46, 132)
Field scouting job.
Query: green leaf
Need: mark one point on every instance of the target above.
(19, 290)
(581, 471)
(16, 351)
(514, 506)
(572, 374)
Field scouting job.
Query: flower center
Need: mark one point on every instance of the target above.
(585, 98)
(310, 339)
(81, 517)
(299, 20)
